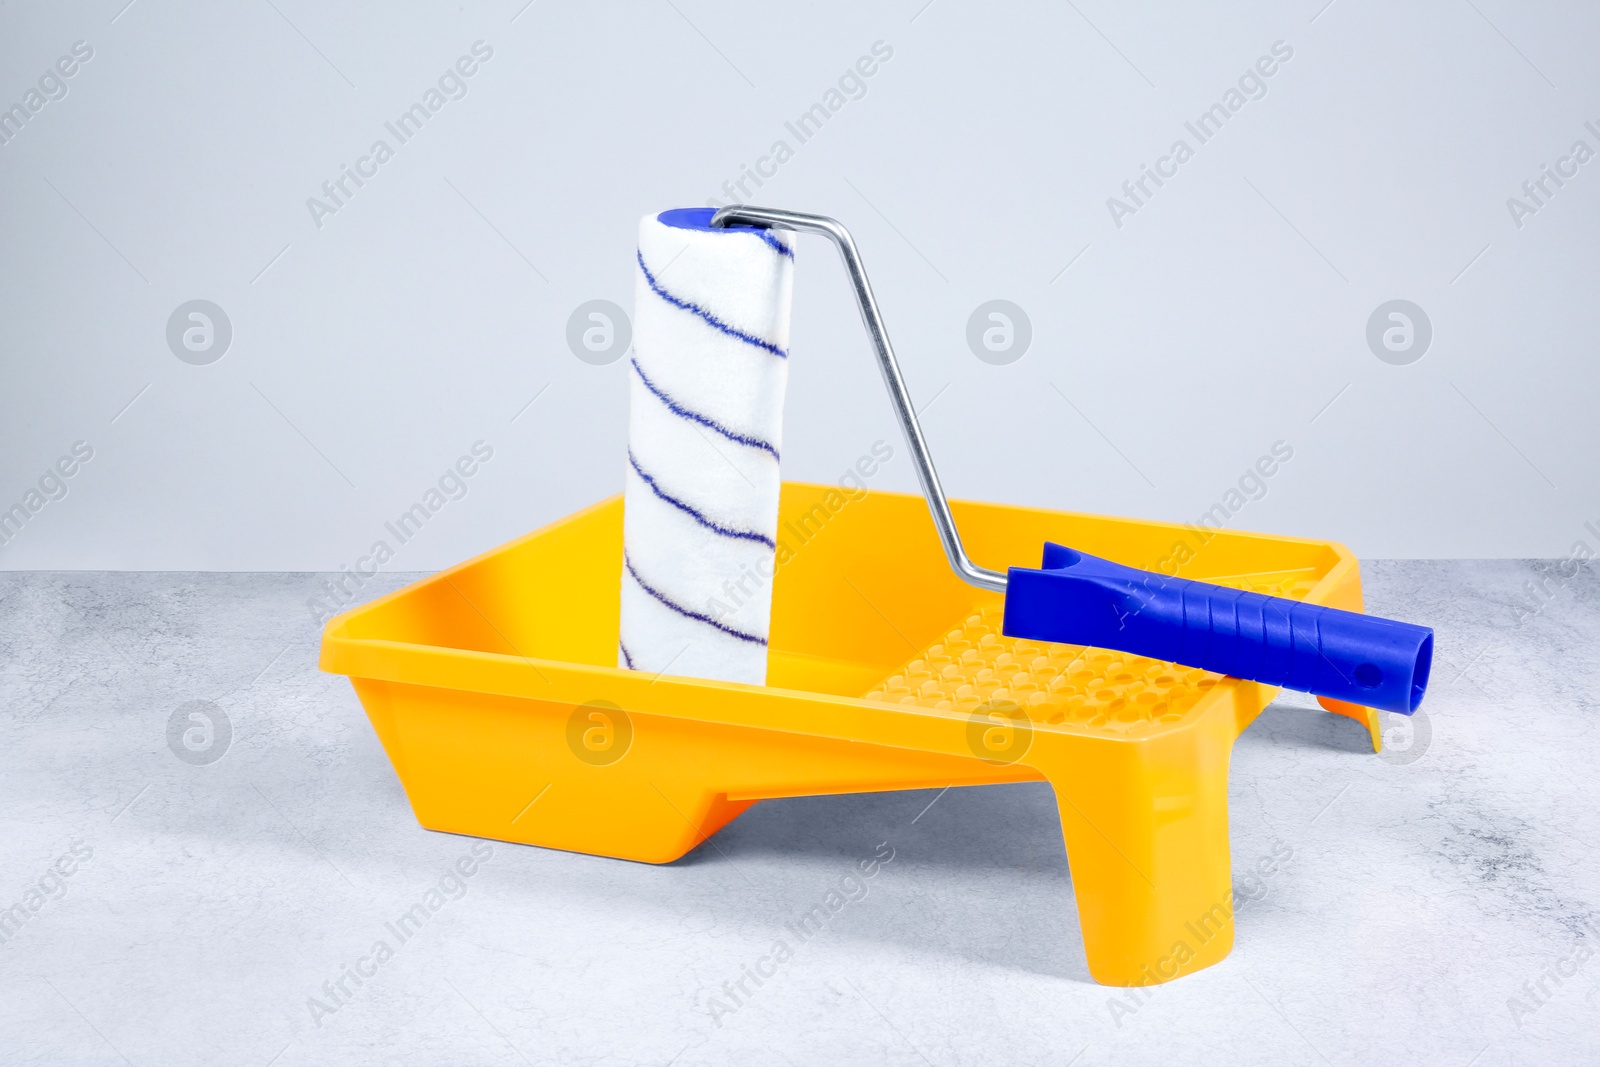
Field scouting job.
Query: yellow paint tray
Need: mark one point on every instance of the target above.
(494, 691)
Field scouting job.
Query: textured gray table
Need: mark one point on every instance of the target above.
(1431, 911)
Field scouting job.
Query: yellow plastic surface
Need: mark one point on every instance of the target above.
(493, 689)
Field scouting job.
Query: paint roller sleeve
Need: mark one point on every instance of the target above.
(706, 386)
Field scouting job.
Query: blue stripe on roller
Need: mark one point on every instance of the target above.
(698, 515)
(686, 612)
(714, 322)
(694, 416)
(625, 657)
(783, 249)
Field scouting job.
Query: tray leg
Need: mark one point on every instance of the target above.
(1365, 716)
(1146, 830)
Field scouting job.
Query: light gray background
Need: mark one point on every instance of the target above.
(1228, 314)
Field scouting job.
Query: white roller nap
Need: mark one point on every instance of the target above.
(706, 383)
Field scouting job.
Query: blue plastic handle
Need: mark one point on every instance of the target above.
(1081, 599)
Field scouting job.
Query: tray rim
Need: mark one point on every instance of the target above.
(738, 704)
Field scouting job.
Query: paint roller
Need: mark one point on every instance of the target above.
(731, 304)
